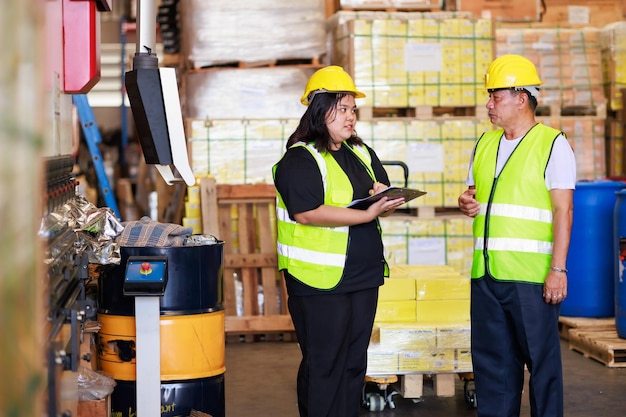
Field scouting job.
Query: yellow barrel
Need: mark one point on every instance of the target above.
(192, 332)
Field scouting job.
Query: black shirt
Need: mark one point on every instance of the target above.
(299, 182)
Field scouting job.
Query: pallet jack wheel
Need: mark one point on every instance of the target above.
(375, 402)
(470, 394)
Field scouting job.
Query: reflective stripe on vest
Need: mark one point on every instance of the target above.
(316, 255)
(516, 210)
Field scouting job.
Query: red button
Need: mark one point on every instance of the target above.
(146, 266)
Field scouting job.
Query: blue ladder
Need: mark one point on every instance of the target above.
(93, 138)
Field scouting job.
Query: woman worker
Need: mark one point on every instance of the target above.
(331, 256)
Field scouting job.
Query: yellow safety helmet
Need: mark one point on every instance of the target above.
(331, 79)
(510, 71)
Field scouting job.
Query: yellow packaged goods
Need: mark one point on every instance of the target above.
(463, 360)
(415, 271)
(195, 223)
(454, 336)
(443, 286)
(568, 60)
(428, 62)
(407, 336)
(442, 311)
(397, 289)
(192, 209)
(381, 360)
(426, 361)
(396, 311)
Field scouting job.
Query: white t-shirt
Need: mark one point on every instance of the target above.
(561, 170)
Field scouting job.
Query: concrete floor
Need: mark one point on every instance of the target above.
(260, 382)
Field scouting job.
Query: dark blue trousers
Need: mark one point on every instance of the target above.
(511, 327)
(333, 331)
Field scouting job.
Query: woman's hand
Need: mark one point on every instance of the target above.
(384, 207)
(378, 187)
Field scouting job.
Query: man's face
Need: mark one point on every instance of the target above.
(503, 106)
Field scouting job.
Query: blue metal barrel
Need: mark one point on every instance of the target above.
(620, 250)
(591, 257)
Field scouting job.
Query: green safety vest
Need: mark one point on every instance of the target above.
(513, 231)
(316, 255)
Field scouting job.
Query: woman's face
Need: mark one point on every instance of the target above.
(340, 121)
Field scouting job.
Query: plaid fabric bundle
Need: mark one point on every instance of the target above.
(147, 232)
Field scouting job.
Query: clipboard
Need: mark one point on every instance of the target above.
(391, 192)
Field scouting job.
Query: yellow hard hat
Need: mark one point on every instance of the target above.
(510, 71)
(331, 79)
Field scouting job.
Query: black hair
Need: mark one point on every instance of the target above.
(312, 126)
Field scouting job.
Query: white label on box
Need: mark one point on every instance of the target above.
(423, 57)
(578, 15)
(427, 251)
(424, 157)
(543, 46)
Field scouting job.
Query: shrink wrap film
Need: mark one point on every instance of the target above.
(230, 31)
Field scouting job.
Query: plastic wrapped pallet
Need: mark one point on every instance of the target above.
(614, 61)
(414, 59)
(568, 62)
(391, 4)
(586, 134)
(237, 151)
(245, 93)
(615, 148)
(225, 31)
(437, 152)
(428, 334)
(440, 241)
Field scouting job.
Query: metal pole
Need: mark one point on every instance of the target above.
(146, 26)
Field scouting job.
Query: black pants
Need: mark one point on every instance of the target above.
(333, 331)
(511, 327)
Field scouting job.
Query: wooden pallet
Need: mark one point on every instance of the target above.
(315, 62)
(412, 385)
(602, 345)
(584, 323)
(502, 10)
(392, 5)
(598, 111)
(243, 216)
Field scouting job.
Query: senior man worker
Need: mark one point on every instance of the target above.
(520, 192)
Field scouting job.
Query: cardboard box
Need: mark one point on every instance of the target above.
(407, 336)
(397, 289)
(396, 311)
(381, 361)
(442, 311)
(426, 360)
(95, 408)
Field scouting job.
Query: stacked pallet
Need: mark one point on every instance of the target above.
(237, 151)
(413, 5)
(569, 62)
(230, 32)
(436, 150)
(402, 60)
(423, 75)
(421, 325)
(587, 136)
(439, 240)
(503, 10)
(594, 338)
(614, 62)
(244, 65)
